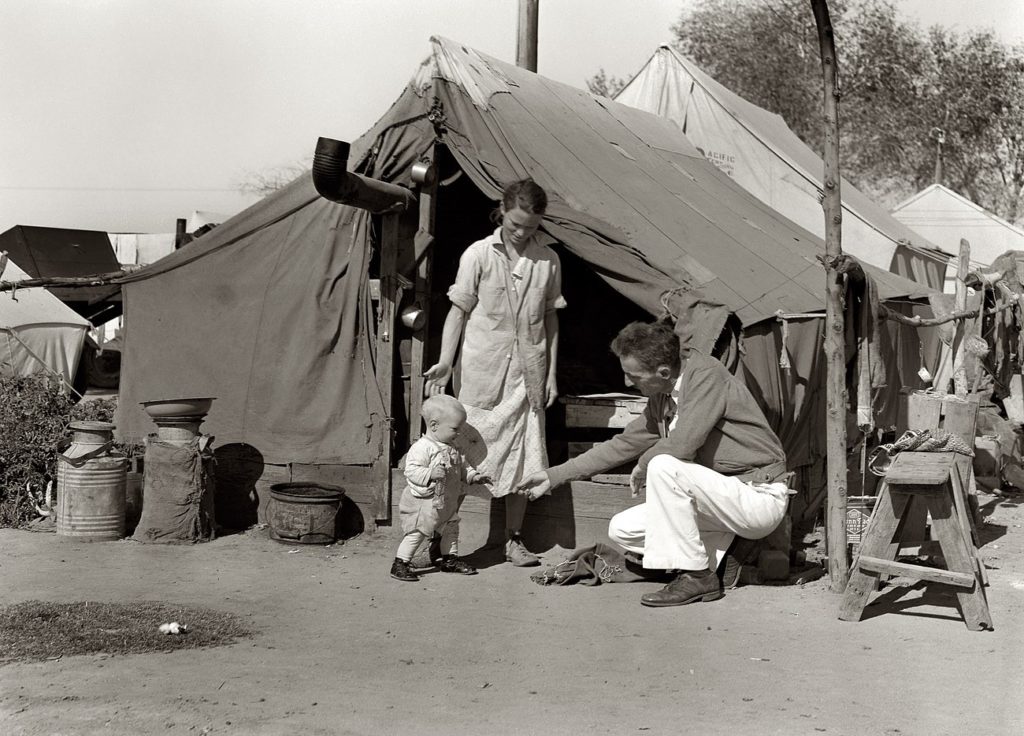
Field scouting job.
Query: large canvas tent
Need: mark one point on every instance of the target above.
(759, 151)
(944, 217)
(272, 314)
(38, 334)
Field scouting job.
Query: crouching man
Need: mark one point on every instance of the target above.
(712, 467)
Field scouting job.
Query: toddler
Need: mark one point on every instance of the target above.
(435, 471)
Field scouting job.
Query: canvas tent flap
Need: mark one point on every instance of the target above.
(759, 151)
(38, 333)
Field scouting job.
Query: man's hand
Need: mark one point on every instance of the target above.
(437, 377)
(550, 391)
(481, 479)
(637, 481)
(438, 472)
(534, 485)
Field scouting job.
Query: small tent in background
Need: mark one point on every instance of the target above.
(759, 151)
(38, 333)
(944, 217)
(272, 312)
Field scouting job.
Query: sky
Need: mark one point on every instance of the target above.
(123, 115)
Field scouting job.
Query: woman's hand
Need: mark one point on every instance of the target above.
(437, 377)
(550, 391)
(534, 485)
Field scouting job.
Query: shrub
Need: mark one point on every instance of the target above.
(34, 416)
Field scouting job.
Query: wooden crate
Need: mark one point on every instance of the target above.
(612, 411)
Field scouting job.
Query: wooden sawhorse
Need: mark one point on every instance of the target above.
(931, 479)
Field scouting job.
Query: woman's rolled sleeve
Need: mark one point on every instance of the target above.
(553, 298)
(464, 292)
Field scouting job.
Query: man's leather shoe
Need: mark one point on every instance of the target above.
(688, 587)
(729, 572)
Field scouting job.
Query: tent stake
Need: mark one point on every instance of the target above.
(835, 347)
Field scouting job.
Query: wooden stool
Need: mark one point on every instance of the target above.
(932, 479)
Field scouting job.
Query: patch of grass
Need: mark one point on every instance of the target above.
(36, 630)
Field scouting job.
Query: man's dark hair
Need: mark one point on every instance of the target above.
(651, 344)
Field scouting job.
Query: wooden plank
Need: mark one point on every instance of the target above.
(959, 418)
(973, 603)
(1014, 403)
(385, 357)
(618, 479)
(924, 411)
(611, 416)
(960, 304)
(920, 468)
(877, 543)
(916, 572)
(423, 241)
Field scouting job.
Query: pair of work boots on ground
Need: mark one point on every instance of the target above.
(515, 552)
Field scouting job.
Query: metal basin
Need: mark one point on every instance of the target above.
(177, 407)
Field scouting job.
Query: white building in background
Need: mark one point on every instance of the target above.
(944, 217)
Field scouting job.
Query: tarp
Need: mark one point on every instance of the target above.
(944, 217)
(758, 150)
(270, 311)
(38, 333)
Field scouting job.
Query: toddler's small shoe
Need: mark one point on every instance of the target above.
(400, 570)
(451, 563)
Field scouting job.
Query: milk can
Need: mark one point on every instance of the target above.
(91, 483)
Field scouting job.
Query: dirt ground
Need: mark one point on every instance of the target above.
(341, 648)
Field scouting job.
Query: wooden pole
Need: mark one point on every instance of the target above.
(390, 297)
(835, 344)
(423, 252)
(180, 229)
(526, 40)
(960, 305)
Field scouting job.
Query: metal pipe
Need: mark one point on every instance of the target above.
(334, 182)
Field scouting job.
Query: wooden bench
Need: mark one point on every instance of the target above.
(936, 483)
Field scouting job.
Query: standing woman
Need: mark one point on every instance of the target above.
(503, 316)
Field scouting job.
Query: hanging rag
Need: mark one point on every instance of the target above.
(924, 440)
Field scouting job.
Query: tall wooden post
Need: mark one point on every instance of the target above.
(424, 256)
(390, 297)
(960, 305)
(835, 345)
(526, 41)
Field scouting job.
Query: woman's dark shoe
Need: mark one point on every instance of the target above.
(400, 570)
(451, 563)
(688, 587)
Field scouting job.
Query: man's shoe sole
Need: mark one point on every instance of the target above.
(406, 580)
(703, 598)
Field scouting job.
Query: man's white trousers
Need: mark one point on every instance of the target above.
(692, 514)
